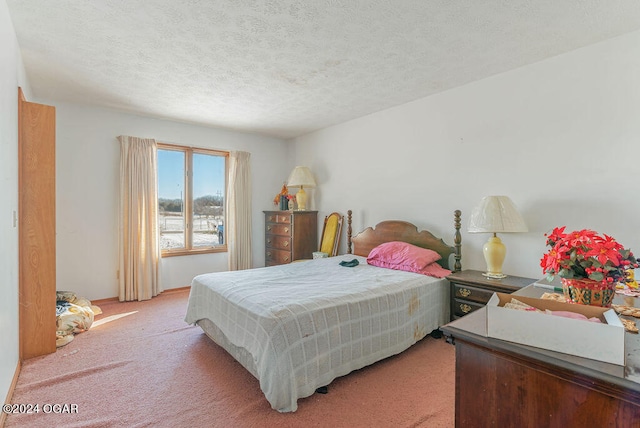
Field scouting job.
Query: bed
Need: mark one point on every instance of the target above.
(296, 327)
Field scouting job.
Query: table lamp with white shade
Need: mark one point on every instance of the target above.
(301, 177)
(495, 214)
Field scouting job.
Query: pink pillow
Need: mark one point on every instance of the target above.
(435, 270)
(402, 256)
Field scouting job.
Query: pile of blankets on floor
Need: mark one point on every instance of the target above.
(73, 315)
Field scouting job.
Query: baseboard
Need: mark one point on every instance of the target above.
(115, 299)
(103, 301)
(14, 382)
(176, 290)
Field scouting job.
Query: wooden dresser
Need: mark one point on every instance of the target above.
(289, 236)
(505, 384)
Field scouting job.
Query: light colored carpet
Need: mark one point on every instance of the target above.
(141, 365)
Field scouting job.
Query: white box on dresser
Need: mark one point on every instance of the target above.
(598, 341)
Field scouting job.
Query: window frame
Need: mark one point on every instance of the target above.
(188, 200)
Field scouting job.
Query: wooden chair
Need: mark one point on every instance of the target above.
(330, 239)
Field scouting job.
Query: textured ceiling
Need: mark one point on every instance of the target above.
(284, 67)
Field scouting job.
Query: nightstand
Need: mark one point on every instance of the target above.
(470, 290)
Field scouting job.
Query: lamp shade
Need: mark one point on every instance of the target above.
(301, 177)
(496, 214)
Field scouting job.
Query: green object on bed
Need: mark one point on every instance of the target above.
(352, 263)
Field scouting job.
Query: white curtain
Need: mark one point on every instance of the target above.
(139, 247)
(238, 210)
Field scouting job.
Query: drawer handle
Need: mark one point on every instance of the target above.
(269, 241)
(465, 292)
(271, 218)
(286, 258)
(465, 308)
(269, 228)
(286, 244)
(286, 230)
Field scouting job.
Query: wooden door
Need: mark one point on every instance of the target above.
(37, 228)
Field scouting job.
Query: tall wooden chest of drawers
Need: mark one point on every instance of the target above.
(289, 236)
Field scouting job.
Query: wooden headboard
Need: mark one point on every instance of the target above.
(396, 230)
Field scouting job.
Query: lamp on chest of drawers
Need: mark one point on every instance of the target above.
(301, 177)
(495, 214)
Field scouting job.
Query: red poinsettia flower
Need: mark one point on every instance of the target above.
(555, 235)
(586, 254)
(551, 261)
(606, 251)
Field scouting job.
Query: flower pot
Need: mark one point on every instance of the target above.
(588, 292)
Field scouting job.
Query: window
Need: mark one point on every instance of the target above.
(191, 195)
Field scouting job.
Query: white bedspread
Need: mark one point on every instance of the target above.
(307, 323)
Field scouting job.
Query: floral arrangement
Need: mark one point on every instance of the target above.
(585, 254)
(283, 192)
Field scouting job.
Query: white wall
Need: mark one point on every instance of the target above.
(560, 137)
(11, 76)
(87, 168)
